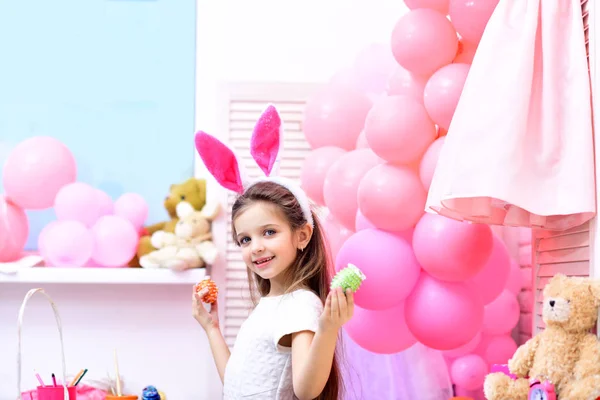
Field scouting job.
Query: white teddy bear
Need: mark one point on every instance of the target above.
(190, 246)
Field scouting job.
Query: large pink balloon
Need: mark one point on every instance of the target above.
(14, 230)
(464, 350)
(116, 241)
(105, 203)
(451, 250)
(491, 280)
(380, 331)
(314, 169)
(399, 129)
(440, 6)
(470, 17)
(502, 314)
(361, 142)
(79, 201)
(443, 91)
(67, 244)
(362, 222)
(388, 263)
(385, 185)
(340, 190)
(133, 208)
(443, 315)
(469, 371)
(429, 162)
(35, 171)
(335, 233)
(405, 83)
(497, 349)
(514, 284)
(335, 116)
(423, 41)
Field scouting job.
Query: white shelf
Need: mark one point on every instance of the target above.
(106, 276)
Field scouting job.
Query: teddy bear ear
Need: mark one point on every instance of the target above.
(220, 161)
(266, 142)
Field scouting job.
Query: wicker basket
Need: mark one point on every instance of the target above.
(62, 347)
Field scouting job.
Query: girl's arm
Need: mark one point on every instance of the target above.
(210, 323)
(312, 353)
(220, 350)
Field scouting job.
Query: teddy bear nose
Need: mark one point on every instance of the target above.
(551, 303)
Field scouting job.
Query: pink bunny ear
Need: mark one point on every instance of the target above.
(266, 140)
(220, 161)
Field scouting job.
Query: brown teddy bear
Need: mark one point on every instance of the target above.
(192, 192)
(190, 246)
(566, 353)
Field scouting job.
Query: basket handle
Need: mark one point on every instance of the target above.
(62, 347)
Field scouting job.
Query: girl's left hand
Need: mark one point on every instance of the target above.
(339, 308)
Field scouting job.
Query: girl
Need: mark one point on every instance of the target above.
(286, 347)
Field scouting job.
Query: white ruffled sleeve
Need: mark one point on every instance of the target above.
(298, 311)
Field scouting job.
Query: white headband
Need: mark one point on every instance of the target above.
(266, 146)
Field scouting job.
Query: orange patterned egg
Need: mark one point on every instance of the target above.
(213, 290)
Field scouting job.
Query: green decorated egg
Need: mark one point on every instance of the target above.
(348, 278)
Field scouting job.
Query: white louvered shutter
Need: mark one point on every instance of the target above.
(244, 104)
(567, 252)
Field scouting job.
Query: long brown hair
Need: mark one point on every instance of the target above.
(311, 269)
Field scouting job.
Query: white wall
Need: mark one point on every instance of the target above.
(261, 40)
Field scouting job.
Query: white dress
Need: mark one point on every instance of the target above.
(260, 368)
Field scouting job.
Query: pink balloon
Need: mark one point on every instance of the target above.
(132, 207)
(116, 241)
(335, 233)
(497, 349)
(466, 52)
(335, 116)
(399, 129)
(443, 315)
(423, 41)
(380, 331)
(470, 17)
(527, 277)
(35, 171)
(526, 301)
(14, 230)
(429, 162)
(440, 6)
(361, 142)
(502, 314)
(514, 284)
(362, 222)
(451, 250)
(388, 263)
(78, 201)
(314, 169)
(66, 244)
(469, 371)
(491, 280)
(105, 203)
(464, 350)
(405, 83)
(384, 185)
(374, 65)
(340, 189)
(443, 91)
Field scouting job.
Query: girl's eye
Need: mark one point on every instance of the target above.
(270, 232)
(244, 240)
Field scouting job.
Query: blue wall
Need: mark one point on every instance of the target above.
(113, 80)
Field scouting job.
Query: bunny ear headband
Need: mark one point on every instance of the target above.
(265, 147)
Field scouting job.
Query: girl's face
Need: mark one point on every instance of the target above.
(269, 246)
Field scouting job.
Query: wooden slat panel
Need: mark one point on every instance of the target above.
(244, 108)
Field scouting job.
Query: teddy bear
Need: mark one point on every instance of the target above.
(190, 246)
(192, 192)
(566, 352)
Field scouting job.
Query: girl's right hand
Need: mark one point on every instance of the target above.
(208, 320)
